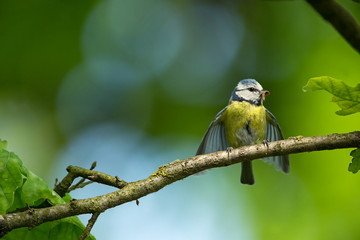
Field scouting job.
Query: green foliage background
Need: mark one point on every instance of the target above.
(160, 71)
(21, 189)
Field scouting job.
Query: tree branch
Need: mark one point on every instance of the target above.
(175, 171)
(89, 226)
(340, 19)
(94, 176)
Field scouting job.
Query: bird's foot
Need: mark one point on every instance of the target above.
(266, 143)
(228, 150)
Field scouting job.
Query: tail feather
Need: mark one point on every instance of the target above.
(247, 176)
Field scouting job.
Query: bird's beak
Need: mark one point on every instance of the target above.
(264, 93)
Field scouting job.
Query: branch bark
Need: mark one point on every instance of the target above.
(64, 185)
(175, 171)
(89, 226)
(340, 19)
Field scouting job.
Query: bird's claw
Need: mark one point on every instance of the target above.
(228, 150)
(266, 143)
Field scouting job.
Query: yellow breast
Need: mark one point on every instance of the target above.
(245, 124)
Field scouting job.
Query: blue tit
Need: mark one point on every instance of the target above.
(244, 121)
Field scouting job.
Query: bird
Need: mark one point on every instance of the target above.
(245, 121)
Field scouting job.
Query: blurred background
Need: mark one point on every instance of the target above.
(134, 85)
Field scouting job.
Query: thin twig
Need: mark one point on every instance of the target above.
(89, 226)
(96, 176)
(340, 19)
(63, 186)
(79, 185)
(76, 185)
(173, 172)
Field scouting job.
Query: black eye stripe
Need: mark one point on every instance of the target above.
(251, 89)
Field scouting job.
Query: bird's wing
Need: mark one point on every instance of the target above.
(215, 138)
(273, 133)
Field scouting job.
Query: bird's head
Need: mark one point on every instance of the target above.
(249, 90)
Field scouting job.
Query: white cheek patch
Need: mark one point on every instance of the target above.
(247, 95)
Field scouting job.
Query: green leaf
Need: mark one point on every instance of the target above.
(67, 231)
(19, 187)
(3, 144)
(10, 179)
(67, 198)
(354, 166)
(346, 97)
(40, 232)
(64, 229)
(35, 189)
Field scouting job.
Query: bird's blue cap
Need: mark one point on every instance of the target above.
(249, 81)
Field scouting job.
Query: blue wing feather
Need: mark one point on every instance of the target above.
(215, 138)
(273, 133)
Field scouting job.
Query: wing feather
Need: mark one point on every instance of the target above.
(215, 138)
(273, 133)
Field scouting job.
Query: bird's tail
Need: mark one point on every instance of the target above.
(247, 176)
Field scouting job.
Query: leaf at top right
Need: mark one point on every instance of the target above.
(346, 97)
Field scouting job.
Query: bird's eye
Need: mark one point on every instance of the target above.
(252, 89)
